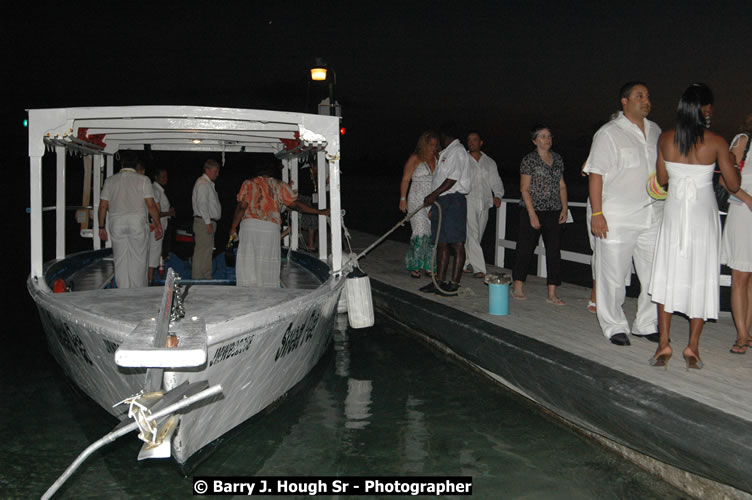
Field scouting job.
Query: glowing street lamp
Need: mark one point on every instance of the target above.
(319, 74)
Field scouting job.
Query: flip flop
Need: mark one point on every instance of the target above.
(415, 274)
(521, 296)
(740, 349)
(591, 307)
(479, 275)
(556, 301)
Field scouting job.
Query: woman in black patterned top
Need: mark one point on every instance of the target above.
(542, 211)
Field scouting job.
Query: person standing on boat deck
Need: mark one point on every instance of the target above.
(625, 220)
(165, 212)
(127, 197)
(260, 202)
(451, 182)
(486, 192)
(206, 213)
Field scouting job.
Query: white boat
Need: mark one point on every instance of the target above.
(255, 344)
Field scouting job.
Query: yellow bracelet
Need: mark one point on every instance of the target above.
(597, 213)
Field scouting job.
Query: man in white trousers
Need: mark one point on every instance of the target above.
(126, 197)
(486, 192)
(625, 220)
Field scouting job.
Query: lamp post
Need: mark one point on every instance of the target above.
(319, 73)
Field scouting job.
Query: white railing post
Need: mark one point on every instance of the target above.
(501, 233)
(541, 251)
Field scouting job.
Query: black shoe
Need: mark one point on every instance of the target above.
(429, 288)
(619, 339)
(653, 337)
(447, 289)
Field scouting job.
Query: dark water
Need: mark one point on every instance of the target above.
(381, 403)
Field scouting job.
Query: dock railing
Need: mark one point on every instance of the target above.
(578, 210)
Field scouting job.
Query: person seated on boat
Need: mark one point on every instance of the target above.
(127, 196)
(260, 201)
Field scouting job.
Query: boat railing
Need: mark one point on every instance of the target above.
(502, 241)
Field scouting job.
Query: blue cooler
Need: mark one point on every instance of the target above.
(498, 299)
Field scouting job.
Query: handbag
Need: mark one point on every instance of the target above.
(721, 195)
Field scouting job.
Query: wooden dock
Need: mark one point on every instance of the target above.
(693, 428)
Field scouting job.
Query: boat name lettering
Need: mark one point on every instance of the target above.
(72, 342)
(297, 336)
(232, 349)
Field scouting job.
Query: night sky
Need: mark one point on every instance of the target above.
(401, 66)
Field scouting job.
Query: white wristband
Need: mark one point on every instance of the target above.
(402, 198)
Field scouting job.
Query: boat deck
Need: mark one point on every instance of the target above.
(130, 306)
(558, 357)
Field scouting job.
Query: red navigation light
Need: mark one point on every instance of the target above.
(342, 131)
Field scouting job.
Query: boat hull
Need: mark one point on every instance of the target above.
(257, 349)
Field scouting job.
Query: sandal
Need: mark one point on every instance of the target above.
(517, 296)
(555, 301)
(479, 275)
(591, 306)
(415, 274)
(739, 348)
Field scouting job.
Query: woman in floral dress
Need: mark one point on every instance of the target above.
(417, 174)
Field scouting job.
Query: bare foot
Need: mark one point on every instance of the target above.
(555, 301)
(518, 294)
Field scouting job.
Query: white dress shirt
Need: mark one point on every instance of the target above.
(125, 193)
(626, 157)
(205, 200)
(453, 164)
(164, 204)
(486, 181)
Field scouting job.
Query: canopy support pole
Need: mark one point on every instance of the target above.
(35, 197)
(60, 204)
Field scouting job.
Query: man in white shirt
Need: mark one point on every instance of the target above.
(126, 197)
(451, 183)
(206, 213)
(165, 212)
(486, 192)
(625, 219)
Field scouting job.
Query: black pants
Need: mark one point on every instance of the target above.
(527, 239)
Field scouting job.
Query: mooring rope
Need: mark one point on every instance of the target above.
(353, 259)
(112, 436)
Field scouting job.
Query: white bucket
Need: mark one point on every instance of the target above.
(359, 300)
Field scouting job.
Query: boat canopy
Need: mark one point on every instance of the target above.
(100, 132)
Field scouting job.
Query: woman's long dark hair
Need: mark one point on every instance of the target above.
(690, 122)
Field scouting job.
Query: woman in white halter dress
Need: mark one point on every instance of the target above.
(686, 265)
